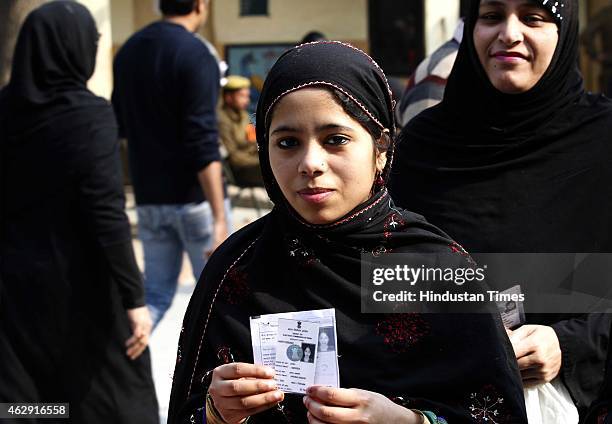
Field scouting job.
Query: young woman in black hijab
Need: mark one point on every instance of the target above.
(73, 325)
(325, 134)
(517, 159)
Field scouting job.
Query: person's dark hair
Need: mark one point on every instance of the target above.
(382, 140)
(176, 7)
(313, 36)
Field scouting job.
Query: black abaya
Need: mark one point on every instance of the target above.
(67, 267)
(520, 173)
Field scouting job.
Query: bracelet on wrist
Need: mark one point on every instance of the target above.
(429, 417)
(424, 419)
(213, 416)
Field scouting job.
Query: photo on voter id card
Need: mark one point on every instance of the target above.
(295, 354)
(322, 352)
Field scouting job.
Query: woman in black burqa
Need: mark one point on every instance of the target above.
(525, 171)
(304, 255)
(71, 293)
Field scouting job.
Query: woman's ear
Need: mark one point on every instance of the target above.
(381, 161)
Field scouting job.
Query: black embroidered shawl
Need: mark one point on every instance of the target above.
(461, 367)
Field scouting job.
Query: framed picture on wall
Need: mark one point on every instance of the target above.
(253, 61)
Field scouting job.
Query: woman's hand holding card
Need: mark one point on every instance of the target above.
(331, 405)
(239, 390)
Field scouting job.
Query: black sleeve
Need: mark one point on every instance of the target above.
(601, 410)
(117, 100)
(199, 94)
(195, 355)
(190, 382)
(102, 201)
(584, 343)
(126, 274)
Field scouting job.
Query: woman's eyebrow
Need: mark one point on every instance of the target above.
(283, 128)
(497, 3)
(324, 127)
(330, 126)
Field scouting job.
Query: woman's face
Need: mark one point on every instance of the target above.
(515, 41)
(307, 352)
(323, 338)
(323, 160)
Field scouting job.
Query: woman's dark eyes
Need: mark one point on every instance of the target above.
(532, 19)
(490, 16)
(287, 143)
(337, 140)
(496, 17)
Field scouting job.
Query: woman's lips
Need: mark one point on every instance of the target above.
(509, 57)
(315, 195)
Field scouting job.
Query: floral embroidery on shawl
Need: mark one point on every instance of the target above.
(301, 254)
(487, 406)
(393, 222)
(402, 331)
(236, 287)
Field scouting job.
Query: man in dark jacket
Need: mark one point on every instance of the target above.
(166, 90)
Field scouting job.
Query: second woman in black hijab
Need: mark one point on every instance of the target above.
(73, 324)
(517, 159)
(325, 135)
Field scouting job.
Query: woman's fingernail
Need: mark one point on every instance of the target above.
(278, 396)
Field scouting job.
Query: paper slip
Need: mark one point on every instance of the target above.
(266, 339)
(512, 311)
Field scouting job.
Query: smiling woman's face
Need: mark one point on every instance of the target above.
(323, 338)
(323, 160)
(515, 41)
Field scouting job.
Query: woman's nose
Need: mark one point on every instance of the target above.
(510, 32)
(313, 161)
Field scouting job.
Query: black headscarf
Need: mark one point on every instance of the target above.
(338, 66)
(281, 263)
(522, 172)
(505, 117)
(54, 58)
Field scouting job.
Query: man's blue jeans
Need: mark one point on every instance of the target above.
(166, 231)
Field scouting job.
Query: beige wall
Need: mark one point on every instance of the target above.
(122, 20)
(441, 18)
(102, 81)
(145, 12)
(290, 20)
